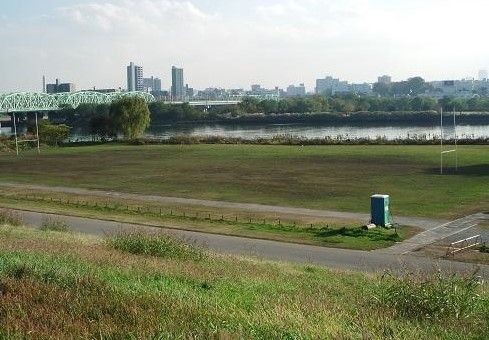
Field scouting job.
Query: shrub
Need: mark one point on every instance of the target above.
(159, 245)
(53, 135)
(436, 297)
(11, 218)
(484, 249)
(52, 224)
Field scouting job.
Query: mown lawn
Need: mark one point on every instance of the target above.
(62, 285)
(322, 177)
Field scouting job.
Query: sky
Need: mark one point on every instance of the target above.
(236, 43)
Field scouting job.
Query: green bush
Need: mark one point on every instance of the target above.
(52, 134)
(484, 248)
(52, 224)
(436, 297)
(159, 245)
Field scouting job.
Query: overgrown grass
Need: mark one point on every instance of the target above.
(59, 287)
(55, 224)
(160, 245)
(436, 297)
(9, 217)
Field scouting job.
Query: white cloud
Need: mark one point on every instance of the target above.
(134, 16)
(224, 43)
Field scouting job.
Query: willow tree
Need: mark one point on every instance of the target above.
(130, 116)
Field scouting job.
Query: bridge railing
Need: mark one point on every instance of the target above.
(33, 102)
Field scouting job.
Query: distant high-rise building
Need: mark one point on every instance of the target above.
(296, 91)
(332, 86)
(43, 84)
(60, 88)
(483, 75)
(189, 92)
(135, 78)
(256, 88)
(152, 84)
(177, 84)
(385, 80)
(157, 84)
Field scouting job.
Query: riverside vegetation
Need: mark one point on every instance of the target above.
(99, 120)
(130, 285)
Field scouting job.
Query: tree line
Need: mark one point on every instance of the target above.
(130, 117)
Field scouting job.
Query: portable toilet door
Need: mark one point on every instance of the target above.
(380, 210)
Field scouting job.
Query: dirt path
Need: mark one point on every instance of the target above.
(422, 223)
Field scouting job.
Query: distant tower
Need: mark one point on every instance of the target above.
(43, 84)
(135, 78)
(177, 87)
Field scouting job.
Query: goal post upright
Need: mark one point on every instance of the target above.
(442, 137)
(441, 140)
(455, 136)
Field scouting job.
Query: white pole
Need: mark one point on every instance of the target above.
(441, 140)
(15, 132)
(456, 139)
(37, 136)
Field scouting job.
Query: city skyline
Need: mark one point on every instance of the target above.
(233, 45)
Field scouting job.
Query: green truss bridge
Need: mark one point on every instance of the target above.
(39, 102)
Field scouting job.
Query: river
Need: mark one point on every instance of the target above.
(250, 131)
(318, 131)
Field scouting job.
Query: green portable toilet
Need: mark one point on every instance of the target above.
(380, 210)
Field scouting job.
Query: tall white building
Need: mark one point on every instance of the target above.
(135, 78)
(177, 84)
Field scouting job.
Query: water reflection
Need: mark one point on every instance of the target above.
(315, 131)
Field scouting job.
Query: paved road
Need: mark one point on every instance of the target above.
(333, 258)
(423, 223)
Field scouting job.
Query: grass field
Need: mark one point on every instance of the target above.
(62, 285)
(323, 177)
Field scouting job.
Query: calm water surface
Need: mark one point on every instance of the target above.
(319, 131)
(250, 131)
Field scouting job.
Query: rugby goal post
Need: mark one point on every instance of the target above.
(454, 148)
(18, 141)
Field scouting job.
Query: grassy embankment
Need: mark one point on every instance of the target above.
(322, 177)
(64, 285)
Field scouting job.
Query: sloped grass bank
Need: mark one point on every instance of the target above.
(65, 285)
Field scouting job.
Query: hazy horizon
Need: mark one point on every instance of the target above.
(234, 44)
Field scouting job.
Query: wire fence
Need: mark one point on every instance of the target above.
(167, 213)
